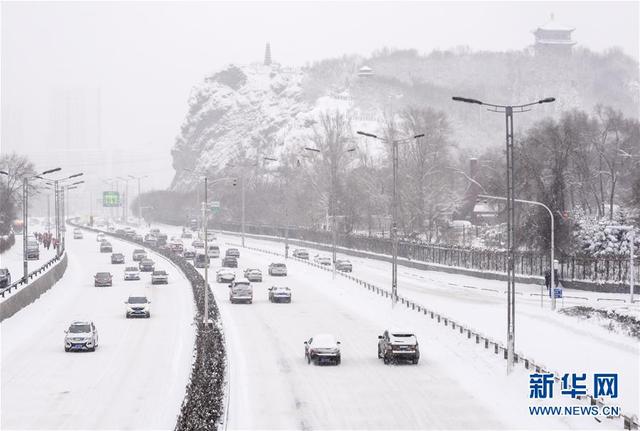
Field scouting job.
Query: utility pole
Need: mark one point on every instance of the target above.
(508, 110)
(206, 252)
(25, 227)
(394, 207)
(243, 206)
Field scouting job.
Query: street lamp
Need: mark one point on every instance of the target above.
(631, 236)
(509, 110)
(25, 216)
(552, 270)
(139, 196)
(286, 205)
(332, 203)
(244, 165)
(206, 321)
(394, 207)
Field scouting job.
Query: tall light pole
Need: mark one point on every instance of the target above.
(631, 236)
(125, 200)
(552, 267)
(244, 166)
(332, 202)
(286, 206)
(25, 216)
(509, 110)
(394, 207)
(139, 196)
(59, 189)
(205, 209)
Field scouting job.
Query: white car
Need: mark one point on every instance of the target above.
(322, 260)
(278, 269)
(241, 291)
(159, 277)
(81, 335)
(131, 273)
(137, 306)
(225, 275)
(100, 237)
(322, 348)
(253, 274)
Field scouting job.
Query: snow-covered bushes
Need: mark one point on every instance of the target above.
(596, 238)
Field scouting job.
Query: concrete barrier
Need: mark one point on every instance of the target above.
(33, 290)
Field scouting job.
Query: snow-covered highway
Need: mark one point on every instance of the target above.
(562, 343)
(135, 379)
(273, 387)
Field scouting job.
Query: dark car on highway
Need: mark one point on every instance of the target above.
(146, 265)
(5, 277)
(103, 279)
(105, 247)
(117, 258)
(229, 262)
(232, 252)
(398, 345)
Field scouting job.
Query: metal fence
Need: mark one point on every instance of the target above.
(31, 275)
(602, 270)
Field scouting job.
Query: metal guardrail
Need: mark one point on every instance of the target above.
(630, 421)
(31, 275)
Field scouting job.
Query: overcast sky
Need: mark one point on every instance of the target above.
(143, 58)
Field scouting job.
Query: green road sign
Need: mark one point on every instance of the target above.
(110, 199)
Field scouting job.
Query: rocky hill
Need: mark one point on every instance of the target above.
(262, 110)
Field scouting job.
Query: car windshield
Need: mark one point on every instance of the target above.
(103, 274)
(32, 243)
(278, 265)
(159, 273)
(139, 250)
(137, 300)
(77, 329)
(131, 268)
(4, 271)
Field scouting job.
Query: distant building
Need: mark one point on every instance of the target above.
(365, 71)
(553, 39)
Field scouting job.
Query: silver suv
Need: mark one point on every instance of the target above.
(81, 335)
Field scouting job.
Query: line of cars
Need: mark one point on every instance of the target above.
(393, 345)
(83, 335)
(341, 264)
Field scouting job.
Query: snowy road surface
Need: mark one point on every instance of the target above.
(135, 379)
(562, 343)
(455, 386)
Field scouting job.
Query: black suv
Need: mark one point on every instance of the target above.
(394, 346)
